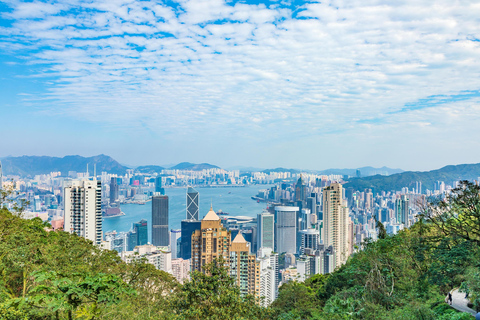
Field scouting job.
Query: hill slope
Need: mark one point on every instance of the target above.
(397, 181)
(193, 166)
(33, 165)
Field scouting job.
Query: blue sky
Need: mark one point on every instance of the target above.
(309, 85)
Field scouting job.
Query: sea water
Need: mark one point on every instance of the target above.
(234, 200)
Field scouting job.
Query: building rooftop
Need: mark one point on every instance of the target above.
(211, 216)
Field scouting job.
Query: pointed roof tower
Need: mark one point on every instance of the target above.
(239, 239)
(211, 216)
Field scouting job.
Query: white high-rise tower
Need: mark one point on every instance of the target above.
(83, 209)
(335, 222)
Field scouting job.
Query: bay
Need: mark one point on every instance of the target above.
(234, 200)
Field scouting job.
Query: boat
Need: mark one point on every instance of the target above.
(221, 213)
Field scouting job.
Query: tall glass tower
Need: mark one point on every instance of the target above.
(160, 220)
(192, 204)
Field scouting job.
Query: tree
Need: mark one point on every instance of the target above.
(213, 294)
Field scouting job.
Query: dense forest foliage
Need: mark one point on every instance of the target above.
(56, 275)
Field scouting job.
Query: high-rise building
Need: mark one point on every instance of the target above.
(83, 209)
(188, 227)
(211, 242)
(402, 210)
(268, 275)
(1, 176)
(160, 220)
(174, 236)
(335, 223)
(113, 190)
(310, 240)
(141, 230)
(266, 230)
(300, 190)
(158, 185)
(192, 204)
(286, 229)
(244, 266)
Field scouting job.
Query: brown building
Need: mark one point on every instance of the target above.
(212, 241)
(244, 266)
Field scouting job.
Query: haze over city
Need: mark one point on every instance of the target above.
(267, 84)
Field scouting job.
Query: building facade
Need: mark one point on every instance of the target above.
(265, 230)
(286, 229)
(192, 204)
(160, 235)
(244, 267)
(335, 222)
(83, 209)
(209, 243)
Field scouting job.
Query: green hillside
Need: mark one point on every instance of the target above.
(448, 174)
(34, 165)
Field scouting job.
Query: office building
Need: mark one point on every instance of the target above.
(141, 230)
(300, 190)
(83, 209)
(113, 190)
(402, 210)
(160, 235)
(188, 227)
(174, 236)
(265, 230)
(310, 240)
(209, 243)
(335, 223)
(158, 186)
(192, 204)
(286, 229)
(244, 267)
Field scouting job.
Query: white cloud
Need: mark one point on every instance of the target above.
(251, 70)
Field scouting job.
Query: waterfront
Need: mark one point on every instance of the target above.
(234, 200)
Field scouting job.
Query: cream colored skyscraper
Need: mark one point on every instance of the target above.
(335, 222)
(210, 243)
(83, 209)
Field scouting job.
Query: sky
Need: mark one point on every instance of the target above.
(308, 85)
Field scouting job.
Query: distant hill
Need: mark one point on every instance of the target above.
(193, 166)
(33, 165)
(364, 171)
(149, 169)
(447, 174)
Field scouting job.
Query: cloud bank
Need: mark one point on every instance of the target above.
(276, 72)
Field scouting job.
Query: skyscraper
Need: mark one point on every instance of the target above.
(113, 190)
(300, 190)
(83, 209)
(141, 230)
(286, 229)
(160, 220)
(211, 242)
(188, 228)
(402, 210)
(158, 185)
(335, 224)
(310, 240)
(192, 204)
(174, 236)
(266, 230)
(244, 266)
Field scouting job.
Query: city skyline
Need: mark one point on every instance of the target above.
(375, 83)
